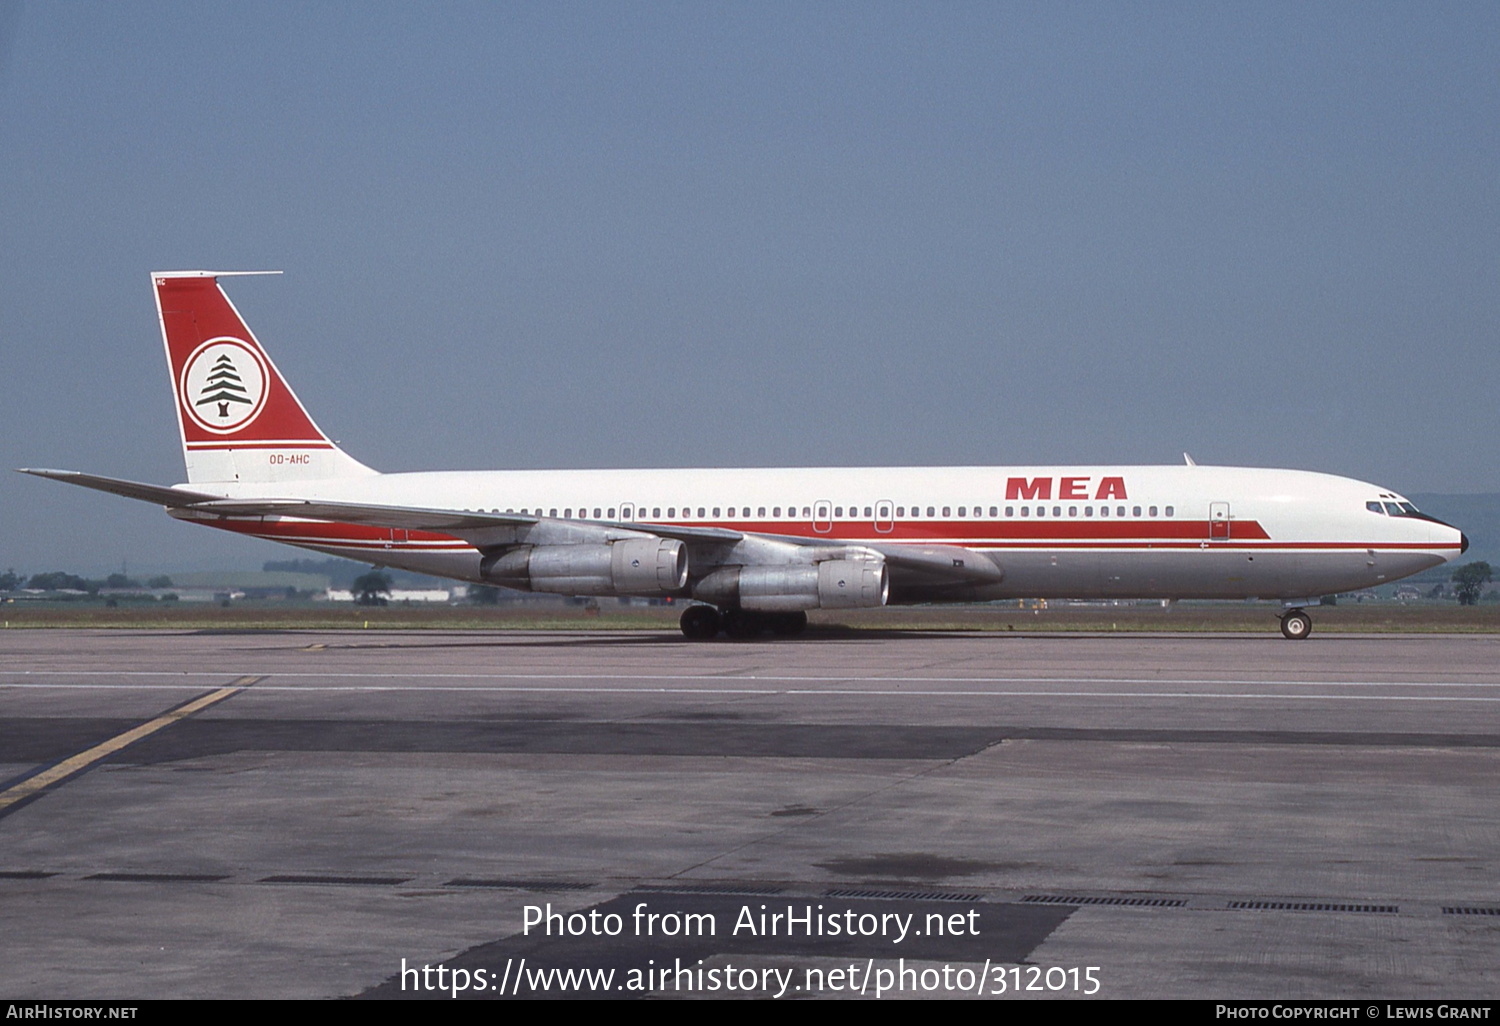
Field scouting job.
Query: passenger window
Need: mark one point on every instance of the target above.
(1025, 511)
(731, 511)
(900, 511)
(759, 512)
(716, 511)
(1041, 511)
(931, 512)
(611, 513)
(1072, 511)
(946, 511)
(598, 513)
(1153, 511)
(868, 512)
(1136, 511)
(701, 513)
(1057, 511)
(775, 511)
(1104, 511)
(1088, 511)
(1169, 511)
(838, 511)
(1010, 511)
(671, 512)
(963, 511)
(1120, 511)
(994, 511)
(552, 513)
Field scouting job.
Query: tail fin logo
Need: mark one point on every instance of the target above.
(223, 386)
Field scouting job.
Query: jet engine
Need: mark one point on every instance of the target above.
(832, 584)
(634, 566)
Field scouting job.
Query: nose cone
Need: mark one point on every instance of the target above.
(1463, 543)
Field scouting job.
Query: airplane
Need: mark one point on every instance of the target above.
(752, 550)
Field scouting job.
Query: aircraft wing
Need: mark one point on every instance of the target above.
(412, 518)
(420, 519)
(938, 564)
(688, 534)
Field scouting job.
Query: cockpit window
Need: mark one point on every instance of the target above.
(1395, 509)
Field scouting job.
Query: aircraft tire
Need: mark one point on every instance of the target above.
(1296, 625)
(789, 625)
(700, 623)
(742, 625)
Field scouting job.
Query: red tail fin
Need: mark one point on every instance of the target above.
(239, 419)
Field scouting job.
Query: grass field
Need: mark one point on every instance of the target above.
(1228, 616)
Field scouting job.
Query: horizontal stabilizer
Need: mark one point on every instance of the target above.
(160, 494)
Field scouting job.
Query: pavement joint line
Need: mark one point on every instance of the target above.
(861, 693)
(778, 678)
(1092, 899)
(58, 772)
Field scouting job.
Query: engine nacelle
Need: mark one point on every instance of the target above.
(634, 566)
(832, 584)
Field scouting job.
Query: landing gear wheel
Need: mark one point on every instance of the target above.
(701, 623)
(788, 625)
(1296, 625)
(742, 625)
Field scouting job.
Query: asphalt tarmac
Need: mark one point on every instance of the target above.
(299, 814)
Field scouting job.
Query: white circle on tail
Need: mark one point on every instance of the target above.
(223, 385)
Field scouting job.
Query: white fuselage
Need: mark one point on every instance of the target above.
(1055, 532)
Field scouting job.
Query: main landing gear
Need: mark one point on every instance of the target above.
(703, 623)
(1296, 624)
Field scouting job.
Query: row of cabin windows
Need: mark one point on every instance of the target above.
(602, 513)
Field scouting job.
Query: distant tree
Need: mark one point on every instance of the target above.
(484, 594)
(369, 587)
(160, 582)
(1471, 579)
(121, 581)
(10, 580)
(59, 581)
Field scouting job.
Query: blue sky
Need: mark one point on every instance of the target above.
(531, 235)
